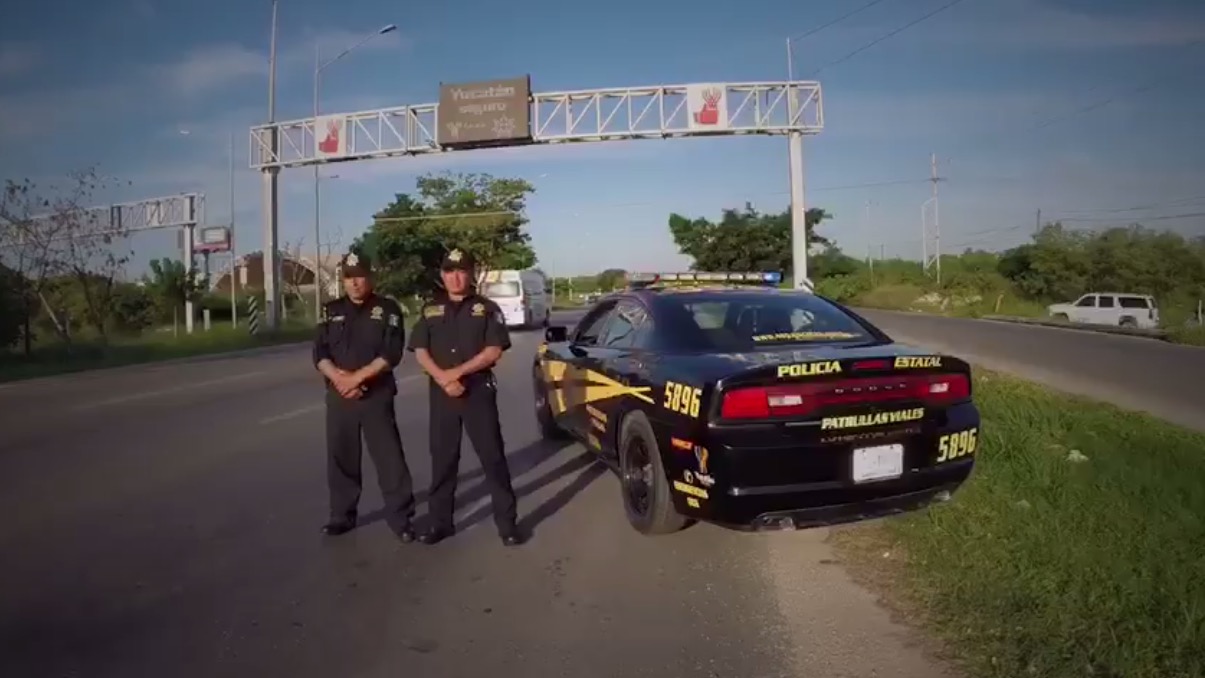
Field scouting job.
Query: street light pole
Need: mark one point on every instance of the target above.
(318, 68)
(317, 193)
(799, 230)
(233, 254)
(271, 198)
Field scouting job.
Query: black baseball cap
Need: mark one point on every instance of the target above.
(457, 259)
(355, 265)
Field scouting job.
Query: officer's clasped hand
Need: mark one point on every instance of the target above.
(347, 384)
(449, 381)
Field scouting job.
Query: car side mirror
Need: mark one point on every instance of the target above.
(556, 334)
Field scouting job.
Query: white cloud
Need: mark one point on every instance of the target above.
(212, 67)
(202, 72)
(1035, 24)
(898, 116)
(17, 59)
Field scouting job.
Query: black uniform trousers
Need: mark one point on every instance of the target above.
(477, 411)
(374, 416)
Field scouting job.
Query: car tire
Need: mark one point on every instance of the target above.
(655, 514)
(549, 430)
(1128, 322)
(1061, 317)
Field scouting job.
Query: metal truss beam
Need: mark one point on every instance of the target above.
(119, 219)
(657, 112)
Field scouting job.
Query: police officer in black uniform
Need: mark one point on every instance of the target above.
(360, 341)
(457, 341)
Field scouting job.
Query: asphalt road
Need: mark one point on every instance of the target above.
(1163, 379)
(163, 521)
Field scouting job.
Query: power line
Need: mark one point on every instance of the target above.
(1165, 217)
(886, 36)
(595, 206)
(1138, 208)
(1098, 104)
(836, 21)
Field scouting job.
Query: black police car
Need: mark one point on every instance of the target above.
(720, 397)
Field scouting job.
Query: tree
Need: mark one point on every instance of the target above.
(477, 213)
(30, 242)
(170, 286)
(1061, 264)
(11, 306)
(64, 235)
(133, 309)
(611, 278)
(744, 240)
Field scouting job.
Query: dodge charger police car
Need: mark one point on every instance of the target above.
(719, 397)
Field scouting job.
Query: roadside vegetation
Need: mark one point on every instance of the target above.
(1058, 266)
(1073, 550)
(68, 301)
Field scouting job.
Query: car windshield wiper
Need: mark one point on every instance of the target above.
(864, 344)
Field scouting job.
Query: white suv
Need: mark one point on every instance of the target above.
(1110, 308)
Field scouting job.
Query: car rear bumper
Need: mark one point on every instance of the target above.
(822, 504)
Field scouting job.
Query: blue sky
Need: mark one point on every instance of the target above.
(114, 83)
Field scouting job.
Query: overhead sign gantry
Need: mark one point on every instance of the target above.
(506, 113)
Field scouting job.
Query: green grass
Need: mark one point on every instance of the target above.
(910, 297)
(1042, 566)
(152, 346)
(1193, 336)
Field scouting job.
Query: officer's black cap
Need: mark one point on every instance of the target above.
(355, 265)
(457, 259)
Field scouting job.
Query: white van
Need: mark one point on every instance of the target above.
(1110, 308)
(522, 296)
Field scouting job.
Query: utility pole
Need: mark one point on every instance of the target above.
(317, 192)
(271, 199)
(935, 231)
(799, 230)
(233, 254)
(1037, 223)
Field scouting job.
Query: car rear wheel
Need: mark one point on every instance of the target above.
(548, 426)
(646, 498)
(1128, 322)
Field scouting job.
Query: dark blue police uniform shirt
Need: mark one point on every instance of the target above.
(454, 332)
(352, 335)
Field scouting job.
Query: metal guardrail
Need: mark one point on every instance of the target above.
(1084, 327)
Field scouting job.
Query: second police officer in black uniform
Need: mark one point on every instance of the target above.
(360, 341)
(457, 340)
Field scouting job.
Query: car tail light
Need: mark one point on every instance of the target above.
(797, 400)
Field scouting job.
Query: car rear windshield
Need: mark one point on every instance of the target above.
(498, 290)
(746, 321)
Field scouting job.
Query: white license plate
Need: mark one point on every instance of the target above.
(878, 463)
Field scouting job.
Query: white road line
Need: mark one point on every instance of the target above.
(143, 395)
(292, 414)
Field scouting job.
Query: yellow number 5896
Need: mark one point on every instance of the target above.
(955, 445)
(682, 399)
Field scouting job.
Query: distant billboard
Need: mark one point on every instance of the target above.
(494, 113)
(213, 239)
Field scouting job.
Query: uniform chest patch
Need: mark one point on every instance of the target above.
(433, 311)
(378, 313)
(478, 309)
